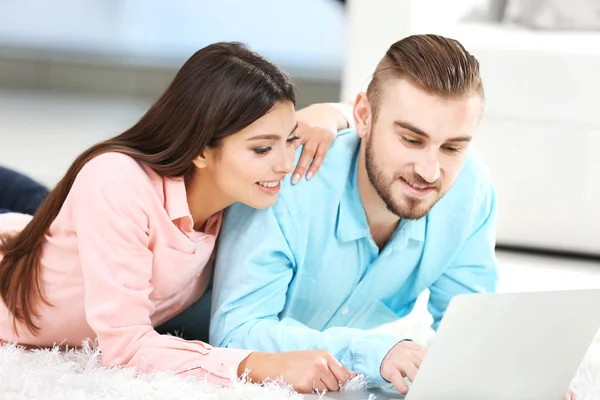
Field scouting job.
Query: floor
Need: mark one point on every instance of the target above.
(41, 133)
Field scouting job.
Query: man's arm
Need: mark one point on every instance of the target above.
(255, 266)
(474, 270)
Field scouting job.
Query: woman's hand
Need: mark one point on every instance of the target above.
(306, 370)
(317, 128)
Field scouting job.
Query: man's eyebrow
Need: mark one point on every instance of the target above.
(420, 132)
(412, 128)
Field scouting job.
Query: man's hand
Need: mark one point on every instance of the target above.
(306, 370)
(403, 360)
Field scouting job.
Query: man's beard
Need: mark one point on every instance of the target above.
(406, 208)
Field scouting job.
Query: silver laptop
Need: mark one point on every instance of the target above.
(503, 346)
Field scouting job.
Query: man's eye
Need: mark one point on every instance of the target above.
(410, 141)
(451, 149)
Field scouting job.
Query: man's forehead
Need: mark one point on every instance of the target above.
(431, 116)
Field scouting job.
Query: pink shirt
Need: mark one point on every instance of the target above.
(120, 258)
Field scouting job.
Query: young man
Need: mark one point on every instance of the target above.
(399, 206)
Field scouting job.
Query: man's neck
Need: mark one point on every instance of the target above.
(382, 222)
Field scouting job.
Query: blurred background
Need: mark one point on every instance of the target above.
(75, 72)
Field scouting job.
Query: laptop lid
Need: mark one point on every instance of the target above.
(508, 346)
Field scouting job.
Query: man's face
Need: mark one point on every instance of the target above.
(416, 146)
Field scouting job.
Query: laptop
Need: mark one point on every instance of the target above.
(502, 346)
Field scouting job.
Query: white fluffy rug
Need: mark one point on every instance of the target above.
(52, 374)
(586, 384)
(77, 374)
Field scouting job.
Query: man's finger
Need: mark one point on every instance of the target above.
(411, 372)
(418, 358)
(570, 396)
(397, 380)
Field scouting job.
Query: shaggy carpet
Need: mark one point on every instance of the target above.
(77, 374)
(55, 374)
(52, 374)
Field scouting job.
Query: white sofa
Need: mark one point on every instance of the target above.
(540, 135)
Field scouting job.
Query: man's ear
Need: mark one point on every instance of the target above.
(362, 114)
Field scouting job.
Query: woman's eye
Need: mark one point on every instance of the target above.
(261, 150)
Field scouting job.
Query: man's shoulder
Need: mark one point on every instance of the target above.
(475, 173)
(329, 182)
(344, 146)
(339, 157)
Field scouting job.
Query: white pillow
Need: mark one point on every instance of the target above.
(555, 14)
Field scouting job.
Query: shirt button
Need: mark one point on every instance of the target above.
(220, 368)
(127, 284)
(345, 311)
(209, 239)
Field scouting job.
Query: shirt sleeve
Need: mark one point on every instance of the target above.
(109, 210)
(252, 276)
(474, 270)
(346, 108)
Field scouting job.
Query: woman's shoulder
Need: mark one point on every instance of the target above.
(118, 169)
(106, 164)
(116, 174)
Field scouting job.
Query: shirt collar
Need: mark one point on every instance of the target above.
(413, 229)
(176, 206)
(352, 220)
(176, 198)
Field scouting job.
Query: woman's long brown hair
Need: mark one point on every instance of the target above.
(220, 90)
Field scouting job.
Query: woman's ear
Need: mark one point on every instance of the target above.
(201, 162)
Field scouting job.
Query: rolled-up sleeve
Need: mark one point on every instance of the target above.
(110, 214)
(346, 109)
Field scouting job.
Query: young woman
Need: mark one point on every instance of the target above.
(124, 241)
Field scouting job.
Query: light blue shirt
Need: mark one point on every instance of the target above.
(306, 273)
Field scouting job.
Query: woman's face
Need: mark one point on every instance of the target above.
(250, 164)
